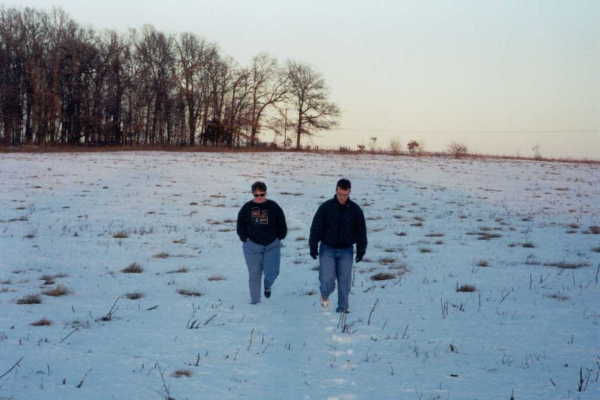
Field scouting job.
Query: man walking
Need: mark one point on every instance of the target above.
(261, 227)
(338, 224)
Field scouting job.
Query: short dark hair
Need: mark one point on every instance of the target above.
(344, 184)
(259, 186)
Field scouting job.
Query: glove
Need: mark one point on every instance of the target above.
(314, 253)
(359, 256)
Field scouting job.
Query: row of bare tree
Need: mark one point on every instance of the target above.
(61, 83)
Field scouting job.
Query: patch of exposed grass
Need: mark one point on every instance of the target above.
(382, 276)
(482, 263)
(557, 296)
(434, 235)
(400, 233)
(387, 260)
(133, 268)
(465, 288)
(528, 245)
(42, 322)
(161, 255)
(58, 291)
(180, 373)
(189, 293)
(180, 270)
(566, 265)
(30, 299)
(134, 295)
(120, 235)
(424, 250)
(300, 238)
(216, 277)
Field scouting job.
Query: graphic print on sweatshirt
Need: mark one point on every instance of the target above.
(259, 217)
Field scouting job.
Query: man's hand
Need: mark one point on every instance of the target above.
(359, 257)
(314, 253)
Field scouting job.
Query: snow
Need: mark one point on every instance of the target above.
(527, 329)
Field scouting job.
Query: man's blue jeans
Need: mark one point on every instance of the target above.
(261, 259)
(336, 264)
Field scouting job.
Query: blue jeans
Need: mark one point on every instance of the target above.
(336, 264)
(261, 259)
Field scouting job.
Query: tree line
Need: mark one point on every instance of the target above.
(62, 83)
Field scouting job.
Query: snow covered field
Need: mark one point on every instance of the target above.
(522, 239)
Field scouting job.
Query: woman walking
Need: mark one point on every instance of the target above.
(261, 227)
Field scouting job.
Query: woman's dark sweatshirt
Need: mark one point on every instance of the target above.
(262, 223)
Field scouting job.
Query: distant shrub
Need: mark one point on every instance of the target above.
(414, 147)
(457, 150)
(395, 146)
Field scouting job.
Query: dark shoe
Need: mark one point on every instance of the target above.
(339, 310)
(267, 293)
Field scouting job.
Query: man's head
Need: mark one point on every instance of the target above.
(259, 191)
(342, 190)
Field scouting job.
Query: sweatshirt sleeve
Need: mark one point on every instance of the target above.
(242, 221)
(316, 229)
(281, 224)
(361, 232)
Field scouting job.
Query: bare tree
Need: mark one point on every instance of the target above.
(309, 96)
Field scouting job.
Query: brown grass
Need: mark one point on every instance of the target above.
(566, 265)
(216, 277)
(134, 295)
(382, 276)
(424, 250)
(189, 293)
(58, 291)
(181, 270)
(482, 263)
(121, 235)
(466, 288)
(594, 230)
(30, 299)
(133, 268)
(42, 322)
(387, 260)
(557, 296)
(162, 254)
(180, 373)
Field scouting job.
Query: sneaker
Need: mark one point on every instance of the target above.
(324, 302)
(267, 293)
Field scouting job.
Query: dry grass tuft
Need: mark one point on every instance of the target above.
(557, 296)
(181, 270)
(121, 235)
(482, 263)
(594, 230)
(133, 268)
(400, 233)
(424, 250)
(382, 276)
(387, 260)
(30, 299)
(134, 295)
(566, 265)
(58, 291)
(162, 254)
(465, 288)
(216, 277)
(434, 235)
(189, 293)
(528, 245)
(180, 373)
(42, 322)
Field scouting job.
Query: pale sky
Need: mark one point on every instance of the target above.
(500, 76)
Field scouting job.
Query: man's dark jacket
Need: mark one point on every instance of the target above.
(339, 226)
